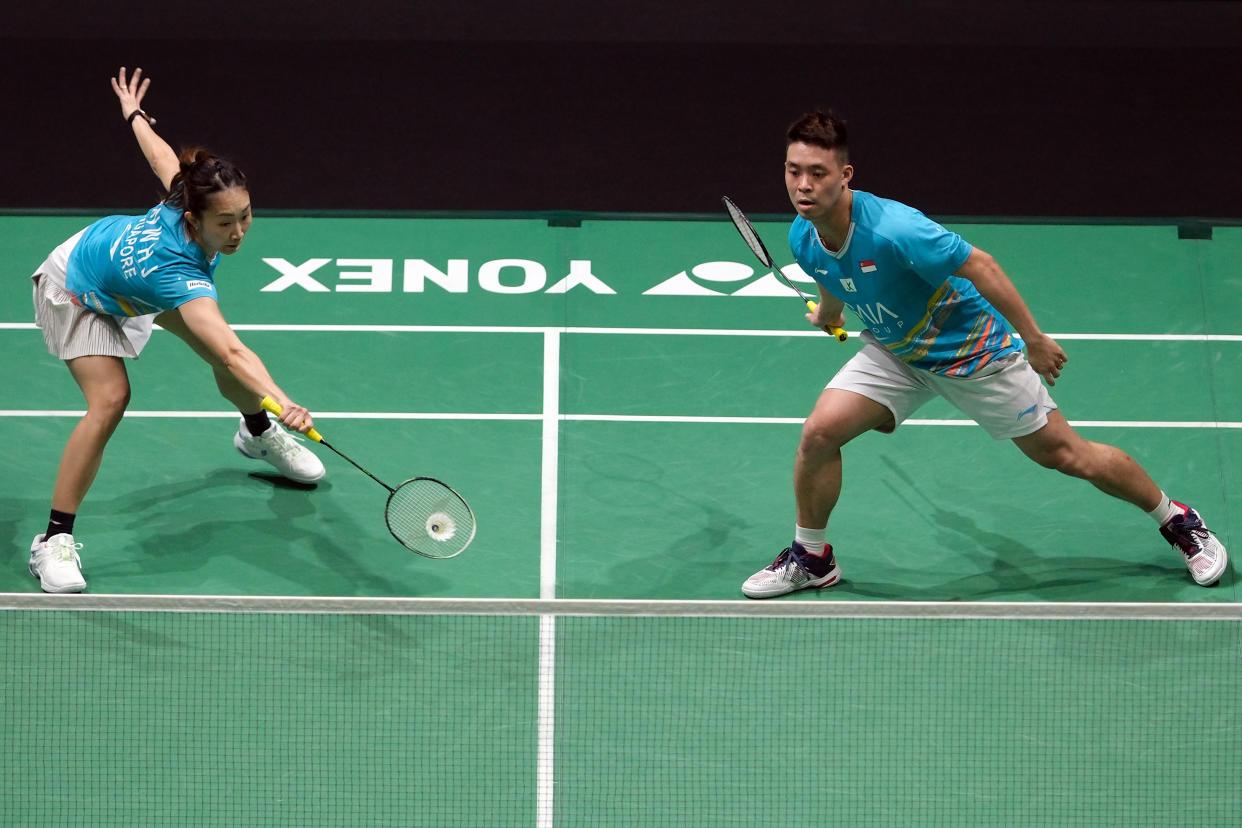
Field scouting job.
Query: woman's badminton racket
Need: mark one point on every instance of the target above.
(747, 230)
(425, 515)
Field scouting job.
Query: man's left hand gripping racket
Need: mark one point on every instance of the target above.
(747, 230)
(424, 514)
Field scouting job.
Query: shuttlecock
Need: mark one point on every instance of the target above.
(441, 527)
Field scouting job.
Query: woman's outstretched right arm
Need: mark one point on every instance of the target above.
(159, 154)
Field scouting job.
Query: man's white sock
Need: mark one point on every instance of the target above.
(812, 540)
(1167, 510)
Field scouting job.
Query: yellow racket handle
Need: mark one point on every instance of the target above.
(276, 408)
(839, 333)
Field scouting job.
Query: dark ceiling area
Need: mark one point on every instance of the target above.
(1035, 109)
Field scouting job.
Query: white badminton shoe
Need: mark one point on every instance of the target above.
(793, 569)
(55, 562)
(278, 447)
(1205, 555)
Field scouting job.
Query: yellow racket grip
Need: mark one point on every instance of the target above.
(839, 333)
(276, 408)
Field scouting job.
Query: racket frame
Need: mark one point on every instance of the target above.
(274, 407)
(450, 490)
(749, 235)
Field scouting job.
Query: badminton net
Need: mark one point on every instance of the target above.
(299, 711)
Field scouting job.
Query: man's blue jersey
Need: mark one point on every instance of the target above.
(135, 265)
(895, 271)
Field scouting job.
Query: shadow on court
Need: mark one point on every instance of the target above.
(227, 530)
(1015, 568)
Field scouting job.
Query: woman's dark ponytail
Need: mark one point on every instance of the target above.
(201, 175)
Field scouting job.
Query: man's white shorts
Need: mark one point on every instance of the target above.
(1007, 397)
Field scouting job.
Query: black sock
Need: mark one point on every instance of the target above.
(59, 523)
(256, 424)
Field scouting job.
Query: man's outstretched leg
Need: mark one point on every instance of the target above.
(1058, 446)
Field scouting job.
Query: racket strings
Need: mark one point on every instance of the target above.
(429, 518)
(747, 230)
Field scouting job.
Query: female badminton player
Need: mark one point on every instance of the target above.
(97, 295)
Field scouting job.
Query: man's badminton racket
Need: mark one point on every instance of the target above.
(747, 230)
(424, 514)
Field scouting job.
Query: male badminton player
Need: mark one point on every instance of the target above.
(940, 318)
(97, 295)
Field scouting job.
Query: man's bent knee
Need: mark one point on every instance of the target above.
(821, 438)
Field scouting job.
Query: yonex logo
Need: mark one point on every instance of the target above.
(723, 278)
(377, 276)
(514, 276)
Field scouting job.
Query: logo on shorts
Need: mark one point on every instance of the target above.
(197, 284)
(1030, 410)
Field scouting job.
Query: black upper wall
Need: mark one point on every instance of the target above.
(1056, 108)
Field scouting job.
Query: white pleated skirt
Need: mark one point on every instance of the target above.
(72, 331)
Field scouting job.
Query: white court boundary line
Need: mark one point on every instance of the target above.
(545, 750)
(552, 418)
(545, 758)
(543, 329)
(550, 459)
(551, 336)
(605, 607)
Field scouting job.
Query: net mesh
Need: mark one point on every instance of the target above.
(429, 518)
(347, 713)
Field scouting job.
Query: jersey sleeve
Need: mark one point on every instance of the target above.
(177, 286)
(930, 250)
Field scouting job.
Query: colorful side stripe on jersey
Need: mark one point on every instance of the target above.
(125, 306)
(922, 336)
(981, 346)
(977, 350)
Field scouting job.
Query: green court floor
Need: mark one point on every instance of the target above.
(620, 401)
(674, 421)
